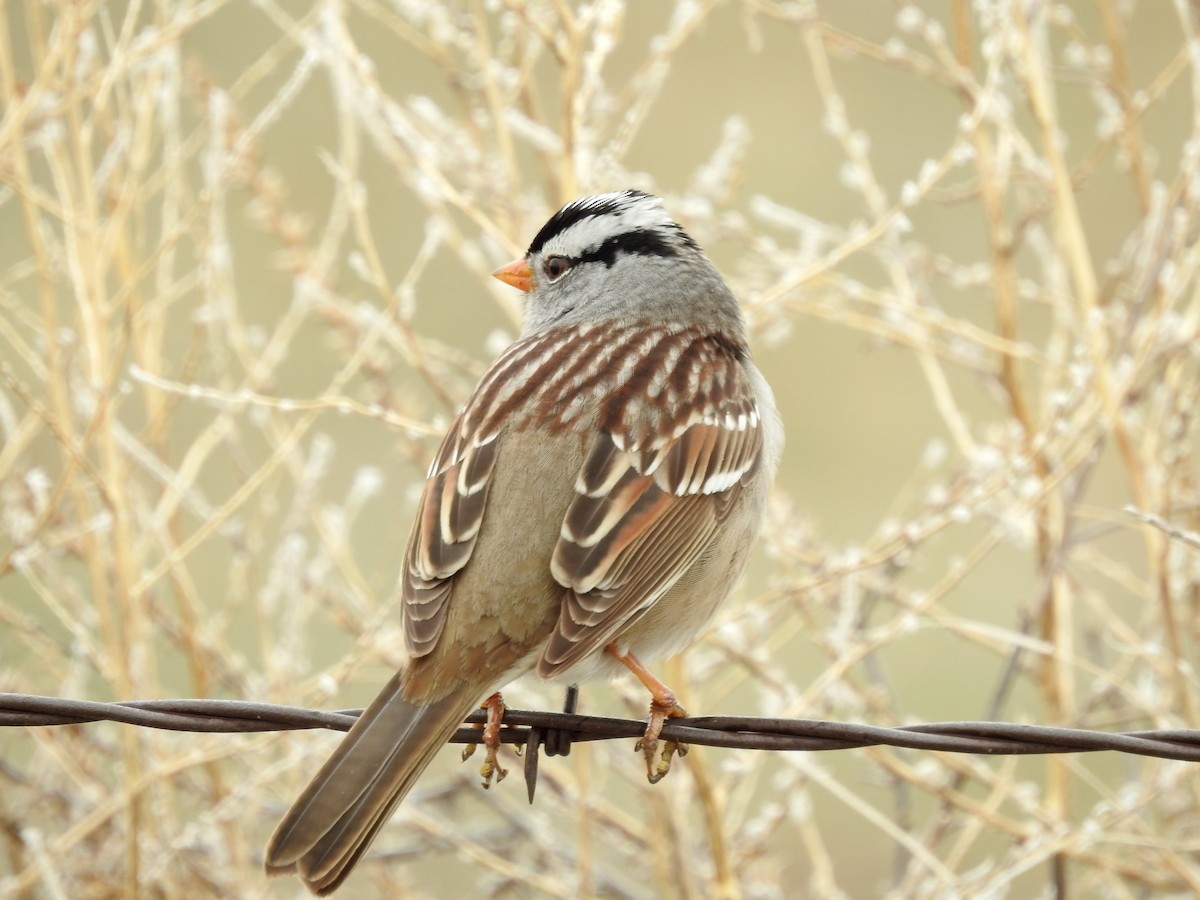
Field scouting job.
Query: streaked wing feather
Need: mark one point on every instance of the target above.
(447, 525)
(591, 619)
(521, 388)
(642, 516)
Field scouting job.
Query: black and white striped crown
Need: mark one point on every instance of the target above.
(604, 225)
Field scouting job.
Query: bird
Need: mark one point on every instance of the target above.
(590, 507)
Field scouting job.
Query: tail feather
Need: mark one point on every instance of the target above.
(337, 816)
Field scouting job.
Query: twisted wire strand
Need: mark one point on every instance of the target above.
(746, 732)
(556, 731)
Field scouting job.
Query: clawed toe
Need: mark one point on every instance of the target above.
(491, 770)
(658, 764)
(663, 706)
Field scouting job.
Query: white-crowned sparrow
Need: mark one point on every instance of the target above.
(592, 504)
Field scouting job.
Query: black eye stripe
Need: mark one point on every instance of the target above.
(640, 243)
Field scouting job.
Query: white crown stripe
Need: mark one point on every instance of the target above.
(629, 214)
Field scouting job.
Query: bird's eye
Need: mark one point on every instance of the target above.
(556, 267)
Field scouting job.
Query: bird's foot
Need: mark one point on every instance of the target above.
(663, 706)
(658, 764)
(491, 768)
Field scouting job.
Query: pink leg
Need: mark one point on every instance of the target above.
(491, 741)
(663, 706)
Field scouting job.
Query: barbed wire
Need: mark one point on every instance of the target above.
(556, 731)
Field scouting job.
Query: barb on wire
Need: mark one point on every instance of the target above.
(556, 731)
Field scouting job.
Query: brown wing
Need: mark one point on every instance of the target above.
(443, 536)
(650, 497)
(451, 509)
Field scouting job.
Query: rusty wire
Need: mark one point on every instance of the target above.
(557, 730)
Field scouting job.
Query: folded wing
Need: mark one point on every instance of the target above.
(656, 485)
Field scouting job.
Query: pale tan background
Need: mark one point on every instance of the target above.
(230, 341)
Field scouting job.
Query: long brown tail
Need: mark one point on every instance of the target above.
(334, 820)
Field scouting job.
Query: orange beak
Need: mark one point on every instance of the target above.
(517, 273)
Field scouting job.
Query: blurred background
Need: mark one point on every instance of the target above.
(244, 284)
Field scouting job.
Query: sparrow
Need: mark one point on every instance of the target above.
(590, 507)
